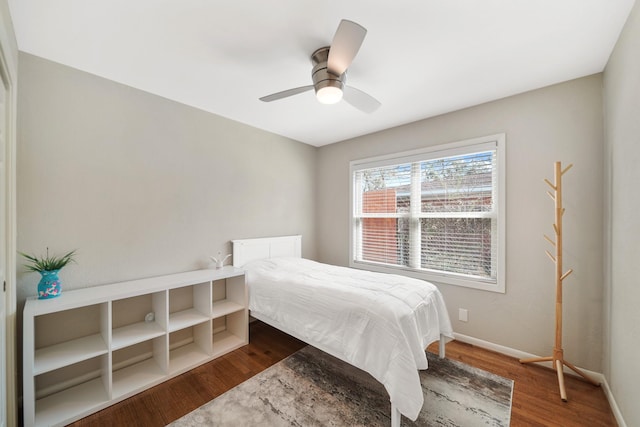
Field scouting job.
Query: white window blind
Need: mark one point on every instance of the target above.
(436, 212)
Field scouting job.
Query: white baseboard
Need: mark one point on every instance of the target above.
(614, 405)
(597, 376)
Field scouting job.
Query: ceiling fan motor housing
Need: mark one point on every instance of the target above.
(321, 75)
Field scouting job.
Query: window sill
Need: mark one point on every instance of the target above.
(434, 278)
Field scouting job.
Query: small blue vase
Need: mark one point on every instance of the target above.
(50, 285)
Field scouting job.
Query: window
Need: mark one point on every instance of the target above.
(436, 213)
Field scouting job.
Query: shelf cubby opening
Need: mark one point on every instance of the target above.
(138, 366)
(61, 340)
(75, 388)
(228, 297)
(229, 333)
(189, 305)
(189, 346)
(138, 319)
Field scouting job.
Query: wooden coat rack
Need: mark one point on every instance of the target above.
(558, 355)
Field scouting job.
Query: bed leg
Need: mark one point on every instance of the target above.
(395, 416)
(441, 351)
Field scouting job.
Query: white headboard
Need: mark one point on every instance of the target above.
(246, 250)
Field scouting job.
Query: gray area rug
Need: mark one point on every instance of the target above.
(311, 388)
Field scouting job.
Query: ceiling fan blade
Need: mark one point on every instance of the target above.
(285, 93)
(361, 100)
(346, 43)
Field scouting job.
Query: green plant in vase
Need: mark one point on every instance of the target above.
(48, 266)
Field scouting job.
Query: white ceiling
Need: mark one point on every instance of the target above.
(420, 58)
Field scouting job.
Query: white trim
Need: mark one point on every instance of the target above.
(612, 402)
(448, 149)
(518, 354)
(9, 59)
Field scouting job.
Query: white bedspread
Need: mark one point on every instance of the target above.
(380, 323)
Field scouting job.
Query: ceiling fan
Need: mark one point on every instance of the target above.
(329, 73)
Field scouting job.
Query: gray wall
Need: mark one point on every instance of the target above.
(144, 186)
(622, 292)
(557, 123)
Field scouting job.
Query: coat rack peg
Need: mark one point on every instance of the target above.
(551, 256)
(558, 353)
(550, 184)
(549, 240)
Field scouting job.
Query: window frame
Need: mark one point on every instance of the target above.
(497, 142)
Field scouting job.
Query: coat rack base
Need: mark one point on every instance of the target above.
(558, 364)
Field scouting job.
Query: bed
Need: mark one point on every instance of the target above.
(380, 323)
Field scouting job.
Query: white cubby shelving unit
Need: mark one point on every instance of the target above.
(90, 348)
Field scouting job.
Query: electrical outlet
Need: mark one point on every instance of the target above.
(463, 315)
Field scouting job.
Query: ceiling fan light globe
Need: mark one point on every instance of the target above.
(329, 95)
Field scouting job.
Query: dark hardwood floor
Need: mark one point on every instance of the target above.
(536, 397)
(536, 401)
